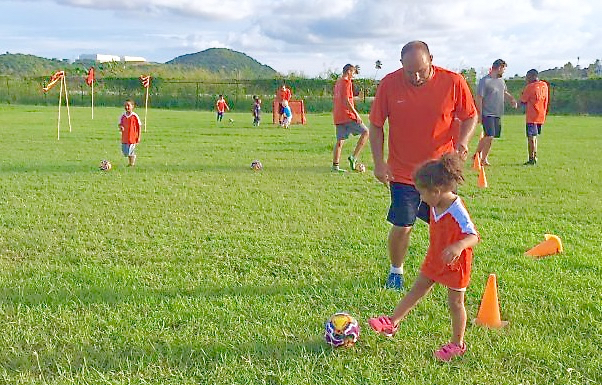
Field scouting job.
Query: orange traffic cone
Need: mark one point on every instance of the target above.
(552, 245)
(482, 182)
(476, 161)
(489, 312)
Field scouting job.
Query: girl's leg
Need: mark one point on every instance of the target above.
(458, 315)
(421, 287)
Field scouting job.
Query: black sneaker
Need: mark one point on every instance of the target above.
(530, 162)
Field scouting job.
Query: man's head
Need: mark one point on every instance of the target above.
(532, 76)
(417, 62)
(498, 67)
(349, 70)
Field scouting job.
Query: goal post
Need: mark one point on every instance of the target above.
(297, 108)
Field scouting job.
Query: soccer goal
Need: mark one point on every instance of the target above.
(297, 107)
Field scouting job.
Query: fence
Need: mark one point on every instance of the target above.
(568, 96)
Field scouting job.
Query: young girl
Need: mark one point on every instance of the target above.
(448, 259)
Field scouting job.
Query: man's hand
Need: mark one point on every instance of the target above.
(383, 173)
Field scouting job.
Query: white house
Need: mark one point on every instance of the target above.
(101, 58)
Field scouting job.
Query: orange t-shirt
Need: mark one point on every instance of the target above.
(131, 128)
(221, 105)
(284, 95)
(445, 229)
(420, 118)
(536, 97)
(342, 94)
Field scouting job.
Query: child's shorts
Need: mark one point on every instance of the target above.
(128, 149)
(533, 129)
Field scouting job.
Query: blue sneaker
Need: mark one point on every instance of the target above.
(394, 281)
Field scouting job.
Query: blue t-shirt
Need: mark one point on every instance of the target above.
(287, 111)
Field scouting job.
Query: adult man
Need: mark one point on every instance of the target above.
(346, 119)
(283, 93)
(491, 93)
(535, 97)
(420, 102)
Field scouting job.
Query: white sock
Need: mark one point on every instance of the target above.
(396, 270)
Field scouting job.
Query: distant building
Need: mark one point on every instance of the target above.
(109, 58)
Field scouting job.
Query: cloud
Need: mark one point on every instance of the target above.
(314, 36)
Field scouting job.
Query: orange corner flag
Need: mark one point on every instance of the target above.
(489, 312)
(482, 182)
(552, 245)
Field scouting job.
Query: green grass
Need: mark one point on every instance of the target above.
(192, 269)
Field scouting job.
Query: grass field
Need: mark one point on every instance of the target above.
(192, 269)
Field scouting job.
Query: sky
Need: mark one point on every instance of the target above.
(312, 37)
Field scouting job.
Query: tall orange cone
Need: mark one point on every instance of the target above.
(476, 161)
(482, 182)
(552, 245)
(489, 312)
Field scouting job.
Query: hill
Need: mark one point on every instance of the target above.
(28, 65)
(223, 60)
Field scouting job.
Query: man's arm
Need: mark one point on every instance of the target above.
(382, 172)
(511, 98)
(479, 103)
(466, 131)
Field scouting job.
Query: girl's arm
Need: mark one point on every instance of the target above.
(452, 252)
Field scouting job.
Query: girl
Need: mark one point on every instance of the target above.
(448, 259)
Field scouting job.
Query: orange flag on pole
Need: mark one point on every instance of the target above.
(55, 78)
(90, 77)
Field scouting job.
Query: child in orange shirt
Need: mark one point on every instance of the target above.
(221, 106)
(449, 257)
(129, 125)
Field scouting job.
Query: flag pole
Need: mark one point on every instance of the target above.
(92, 100)
(146, 107)
(67, 102)
(58, 126)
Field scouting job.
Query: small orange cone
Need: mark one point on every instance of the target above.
(482, 182)
(552, 245)
(476, 161)
(489, 312)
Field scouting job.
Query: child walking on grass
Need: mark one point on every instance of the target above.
(449, 257)
(129, 125)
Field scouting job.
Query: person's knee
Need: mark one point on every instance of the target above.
(400, 231)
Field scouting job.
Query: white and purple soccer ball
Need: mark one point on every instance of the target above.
(341, 330)
(105, 165)
(256, 165)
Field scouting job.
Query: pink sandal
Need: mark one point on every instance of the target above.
(449, 351)
(383, 325)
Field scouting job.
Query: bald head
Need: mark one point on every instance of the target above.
(413, 46)
(417, 63)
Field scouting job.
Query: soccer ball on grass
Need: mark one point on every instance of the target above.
(360, 167)
(256, 165)
(105, 165)
(341, 330)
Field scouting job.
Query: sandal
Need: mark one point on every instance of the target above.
(449, 351)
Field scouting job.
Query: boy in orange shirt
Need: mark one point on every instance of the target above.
(129, 125)
(536, 98)
(221, 106)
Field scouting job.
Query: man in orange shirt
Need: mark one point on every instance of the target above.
(420, 102)
(536, 98)
(346, 119)
(284, 93)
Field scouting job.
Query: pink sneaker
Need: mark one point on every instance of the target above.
(449, 351)
(383, 325)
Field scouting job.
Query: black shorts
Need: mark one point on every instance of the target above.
(533, 129)
(492, 126)
(406, 205)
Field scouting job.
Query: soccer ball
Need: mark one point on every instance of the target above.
(256, 165)
(360, 167)
(231, 120)
(341, 330)
(105, 165)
